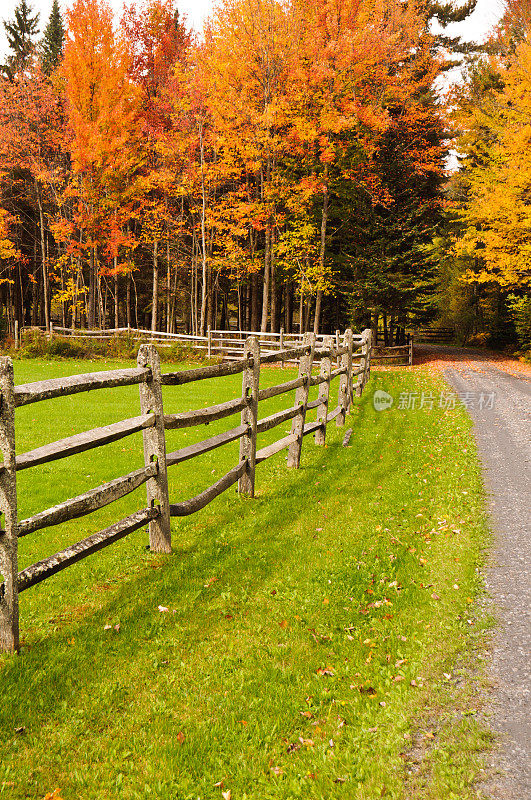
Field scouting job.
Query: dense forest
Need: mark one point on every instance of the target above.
(288, 168)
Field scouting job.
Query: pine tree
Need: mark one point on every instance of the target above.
(19, 33)
(52, 42)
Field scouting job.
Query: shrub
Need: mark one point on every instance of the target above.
(521, 311)
(36, 344)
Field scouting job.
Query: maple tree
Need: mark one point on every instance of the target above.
(106, 147)
(287, 168)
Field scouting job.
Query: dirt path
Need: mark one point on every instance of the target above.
(498, 395)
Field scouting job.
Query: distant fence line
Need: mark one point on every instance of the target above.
(230, 344)
(347, 358)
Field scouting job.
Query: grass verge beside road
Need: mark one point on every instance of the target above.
(307, 632)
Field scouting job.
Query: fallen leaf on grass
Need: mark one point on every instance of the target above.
(293, 746)
(325, 671)
(209, 582)
(219, 784)
(55, 795)
(20, 730)
(435, 596)
(307, 714)
(398, 678)
(226, 795)
(277, 770)
(163, 609)
(283, 624)
(340, 780)
(369, 690)
(180, 737)
(306, 742)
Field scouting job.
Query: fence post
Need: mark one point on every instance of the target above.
(365, 357)
(16, 334)
(250, 388)
(8, 507)
(410, 349)
(155, 450)
(209, 343)
(301, 399)
(324, 393)
(281, 345)
(343, 399)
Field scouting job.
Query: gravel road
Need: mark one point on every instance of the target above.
(499, 400)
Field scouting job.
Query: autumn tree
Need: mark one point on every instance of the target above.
(106, 146)
(32, 139)
(491, 191)
(159, 43)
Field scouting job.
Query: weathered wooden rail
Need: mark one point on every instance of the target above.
(227, 344)
(399, 355)
(336, 358)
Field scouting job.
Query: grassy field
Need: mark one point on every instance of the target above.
(310, 631)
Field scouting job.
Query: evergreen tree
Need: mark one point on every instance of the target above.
(19, 33)
(52, 42)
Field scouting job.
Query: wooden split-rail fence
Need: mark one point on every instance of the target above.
(227, 344)
(348, 360)
(398, 355)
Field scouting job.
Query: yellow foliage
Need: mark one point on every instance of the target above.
(497, 212)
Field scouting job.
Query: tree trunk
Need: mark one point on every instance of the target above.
(203, 235)
(168, 286)
(116, 309)
(374, 326)
(155, 298)
(128, 299)
(46, 299)
(322, 254)
(274, 298)
(288, 307)
(248, 303)
(91, 311)
(255, 302)
(267, 274)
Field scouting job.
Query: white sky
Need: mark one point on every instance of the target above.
(485, 16)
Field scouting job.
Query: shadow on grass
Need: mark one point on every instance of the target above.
(222, 542)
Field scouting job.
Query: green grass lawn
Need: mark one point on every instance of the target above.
(308, 629)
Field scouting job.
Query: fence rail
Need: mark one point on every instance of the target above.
(336, 360)
(398, 355)
(230, 345)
